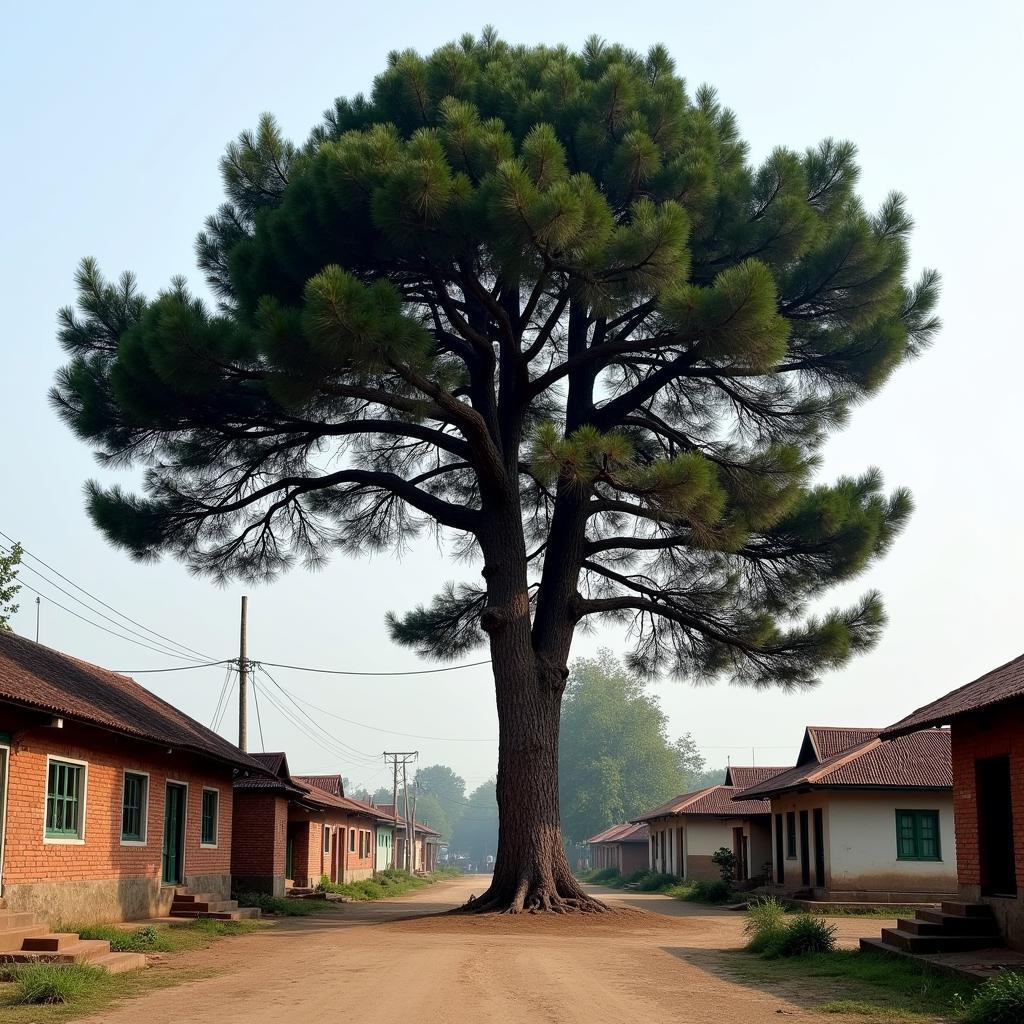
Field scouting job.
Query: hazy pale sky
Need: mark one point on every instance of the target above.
(115, 116)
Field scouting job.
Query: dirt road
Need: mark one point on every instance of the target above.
(375, 962)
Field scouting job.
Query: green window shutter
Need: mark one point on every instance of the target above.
(63, 796)
(133, 807)
(208, 834)
(917, 835)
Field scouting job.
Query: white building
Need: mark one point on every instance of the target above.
(862, 819)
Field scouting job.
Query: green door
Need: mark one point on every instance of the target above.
(174, 834)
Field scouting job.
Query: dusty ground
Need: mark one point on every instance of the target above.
(374, 962)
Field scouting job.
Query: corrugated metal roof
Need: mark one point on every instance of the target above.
(1001, 684)
(35, 676)
(918, 761)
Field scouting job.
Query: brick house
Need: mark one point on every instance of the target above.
(624, 847)
(686, 831)
(861, 818)
(426, 844)
(110, 798)
(289, 830)
(986, 726)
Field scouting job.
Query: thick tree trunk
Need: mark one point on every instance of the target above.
(531, 871)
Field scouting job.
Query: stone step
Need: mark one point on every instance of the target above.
(204, 906)
(16, 919)
(954, 924)
(13, 938)
(120, 963)
(50, 943)
(80, 952)
(194, 897)
(956, 908)
(237, 914)
(912, 943)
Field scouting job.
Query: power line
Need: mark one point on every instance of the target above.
(77, 586)
(395, 732)
(259, 721)
(120, 636)
(164, 649)
(346, 672)
(172, 668)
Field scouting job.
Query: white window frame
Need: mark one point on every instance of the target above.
(62, 840)
(325, 846)
(145, 809)
(216, 821)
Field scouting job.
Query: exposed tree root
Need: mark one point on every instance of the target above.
(532, 898)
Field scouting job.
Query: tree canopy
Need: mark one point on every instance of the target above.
(616, 759)
(542, 303)
(10, 559)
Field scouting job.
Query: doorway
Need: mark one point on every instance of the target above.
(995, 827)
(805, 850)
(740, 855)
(174, 833)
(819, 847)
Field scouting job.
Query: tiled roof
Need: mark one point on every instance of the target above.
(329, 783)
(824, 741)
(35, 676)
(716, 801)
(918, 761)
(741, 778)
(1001, 684)
(321, 798)
(623, 833)
(388, 811)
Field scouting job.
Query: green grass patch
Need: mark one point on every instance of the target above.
(999, 1000)
(384, 884)
(713, 892)
(164, 938)
(53, 984)
(876, 986)
(281, 906)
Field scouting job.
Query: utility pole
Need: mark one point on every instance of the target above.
(415, 794)
(243, 680)
(400, 757)
(37, 618)
(410, 828)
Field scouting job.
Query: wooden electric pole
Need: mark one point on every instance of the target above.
(400, 757)
(410, 831)
(243, 681)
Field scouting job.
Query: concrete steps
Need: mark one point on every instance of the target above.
(958, 927)
(23, 940)
(207, 905)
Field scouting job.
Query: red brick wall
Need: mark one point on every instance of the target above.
(259, 834)
(27, 858)
(979, 736)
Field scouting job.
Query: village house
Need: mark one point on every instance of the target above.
(688, 830)
(861, 818)
(426, 843)
(986, 726)
(623, 847)
(111, 800)
(293, 831)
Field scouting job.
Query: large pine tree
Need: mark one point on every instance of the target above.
(541, 302)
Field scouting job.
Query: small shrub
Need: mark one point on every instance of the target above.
(803, 934)
(765, 920)
(999, 1000)
(656, 881)
(41, 984)
(122, 940)
(725, 860)
(280, 906)
(701, 891)
(601, 876)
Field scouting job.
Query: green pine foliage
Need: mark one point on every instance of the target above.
(525, 277)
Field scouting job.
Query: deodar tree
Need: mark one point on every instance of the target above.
(540, 302)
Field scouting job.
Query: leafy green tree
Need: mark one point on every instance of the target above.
(690, 761)
(476, 833)
(9, 585)
(540, 302)
(429, 811)
(616, 759)
(447, 788)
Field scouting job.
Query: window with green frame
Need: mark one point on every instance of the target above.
(208, 833)
(64, 800)
(917, 835)
(133, 807)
